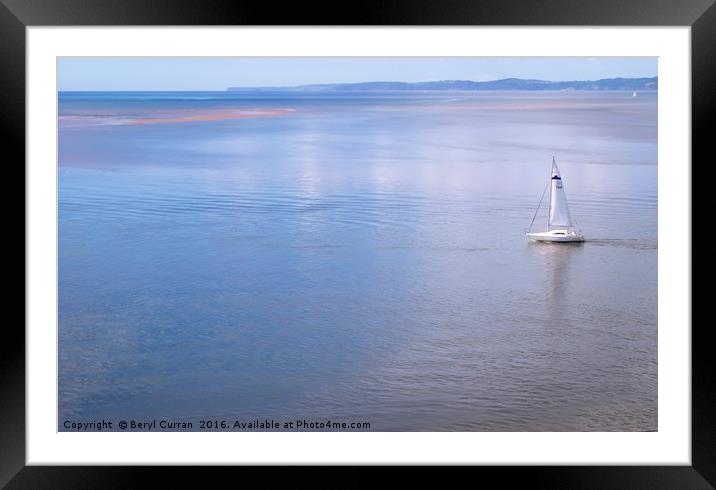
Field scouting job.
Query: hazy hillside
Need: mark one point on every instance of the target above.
(467, 85)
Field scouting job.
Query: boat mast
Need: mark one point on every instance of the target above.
(549, 209)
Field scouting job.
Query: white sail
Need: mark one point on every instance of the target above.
(558, 211)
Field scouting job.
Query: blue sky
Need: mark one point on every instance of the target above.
(149, 73)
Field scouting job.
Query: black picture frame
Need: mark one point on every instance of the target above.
(16, 15)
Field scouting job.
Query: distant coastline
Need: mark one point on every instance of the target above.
(606, 84)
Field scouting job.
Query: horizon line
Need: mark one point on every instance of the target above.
(285, 87)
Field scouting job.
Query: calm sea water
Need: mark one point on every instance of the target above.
(357, 259)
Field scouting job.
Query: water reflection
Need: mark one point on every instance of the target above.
(557, 259)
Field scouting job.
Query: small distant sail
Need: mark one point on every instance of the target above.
(558, 210)
(633, 94)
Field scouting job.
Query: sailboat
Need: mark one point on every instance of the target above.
(633, 94)
(560, 227)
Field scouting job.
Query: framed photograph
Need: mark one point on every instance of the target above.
(411, 235)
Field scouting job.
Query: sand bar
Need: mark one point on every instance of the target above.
(208, 116)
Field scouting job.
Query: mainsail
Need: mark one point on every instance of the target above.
(558, 211)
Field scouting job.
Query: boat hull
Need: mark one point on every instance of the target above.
(556, 236)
